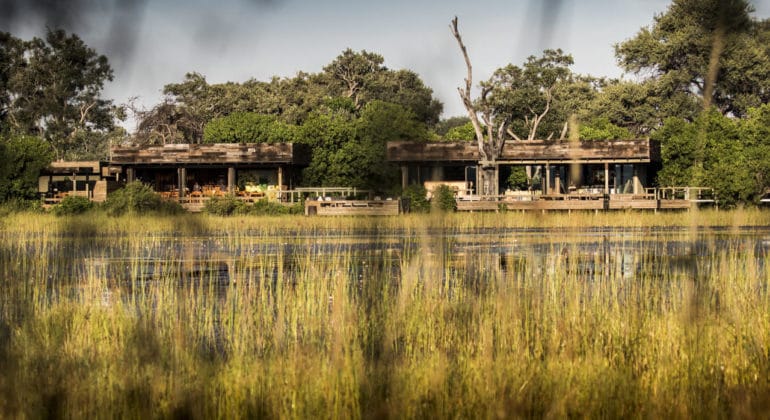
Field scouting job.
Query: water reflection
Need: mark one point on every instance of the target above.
(590, 256)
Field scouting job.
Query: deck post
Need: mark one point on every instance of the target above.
(280, 178)
(130, 175)
(606, 178)
(231, 179)
(182, 176)
(547, 178)
(404, 176)
(557, 180)
(479, 185)
(636, 180)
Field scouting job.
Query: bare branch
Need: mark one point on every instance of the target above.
(512, 134)
(466, 93)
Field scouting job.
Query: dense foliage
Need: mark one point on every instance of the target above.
(443, 199)
(22, 158)
(72, 205)
(230, 205)
(417, 197)
(51, 88)
(730, 155)
(137, 198)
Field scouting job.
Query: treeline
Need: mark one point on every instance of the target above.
(702, 84)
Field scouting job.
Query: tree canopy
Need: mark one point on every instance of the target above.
(360, 77)
(710, 51)
(51, 87)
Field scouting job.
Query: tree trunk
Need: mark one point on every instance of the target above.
(489, 175)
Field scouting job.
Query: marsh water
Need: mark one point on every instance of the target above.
(221, 261)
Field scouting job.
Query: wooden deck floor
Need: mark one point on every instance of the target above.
(352, 208)
(566, 203)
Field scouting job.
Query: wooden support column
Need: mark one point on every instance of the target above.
(557, 180)
(182, 177)
(606, 178)
(547, 178)
(479, 178)
(404, 176)
(231, 179)
(635, 182)
(130, 174)
(280, 178)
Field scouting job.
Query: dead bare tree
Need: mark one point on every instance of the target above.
(491, 140)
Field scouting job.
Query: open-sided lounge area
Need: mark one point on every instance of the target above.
(193, 173)
(566, 175)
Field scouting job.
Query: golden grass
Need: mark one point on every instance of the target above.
(130, 317)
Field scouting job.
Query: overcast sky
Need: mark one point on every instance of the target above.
(154, 42)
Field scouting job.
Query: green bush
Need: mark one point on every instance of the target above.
(418, 200)
(23, 158)
(73, 205)
(138, 198)
(267, 208)
(224, 206)
(517, 180)
(443, 199)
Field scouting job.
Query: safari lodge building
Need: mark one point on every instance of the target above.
(589, 175)
(574, 175)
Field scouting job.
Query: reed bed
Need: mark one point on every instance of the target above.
(483, 316)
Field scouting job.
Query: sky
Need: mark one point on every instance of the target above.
(151, 43)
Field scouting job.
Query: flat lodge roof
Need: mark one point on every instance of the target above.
(529, 152)
(73, 167)
(211, 154)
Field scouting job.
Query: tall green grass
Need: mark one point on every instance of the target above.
(131, 317)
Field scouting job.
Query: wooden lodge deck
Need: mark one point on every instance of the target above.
(682, 198)
(352, 208)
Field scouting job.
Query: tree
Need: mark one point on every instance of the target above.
(23, 158)
(352, 73)
(518, 99)
(732, 154)
(350, 150)
(710, 50)
(248, 127)
(52, 88)
(489, 136)
(357, 77)
(602, 129)
(444, 126)
(464, 132)
(529, 93)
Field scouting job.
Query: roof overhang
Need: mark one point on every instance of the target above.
(231, 154)
(533, 152)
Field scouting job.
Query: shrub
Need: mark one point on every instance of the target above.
(266, 207)
(224, 206)
(517, 180)
(417, 196)
(444, 199)
(73, 205)
(138, 198)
